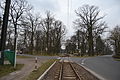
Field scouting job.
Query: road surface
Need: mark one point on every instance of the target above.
(104, 66)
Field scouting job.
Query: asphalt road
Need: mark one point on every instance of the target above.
(105, 66)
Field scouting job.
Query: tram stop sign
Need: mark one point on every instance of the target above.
(10, 56)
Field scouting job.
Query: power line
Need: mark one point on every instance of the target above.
(68, 13)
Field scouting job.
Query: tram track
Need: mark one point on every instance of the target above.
(67, 71)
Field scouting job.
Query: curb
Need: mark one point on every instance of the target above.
(93, 73)
(42, 76)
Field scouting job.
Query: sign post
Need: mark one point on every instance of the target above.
(15, 51)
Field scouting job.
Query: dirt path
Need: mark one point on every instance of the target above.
(29, 65)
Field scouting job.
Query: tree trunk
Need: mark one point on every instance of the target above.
(116, 47)
(90, 42)
(32, 41)
(47, 38)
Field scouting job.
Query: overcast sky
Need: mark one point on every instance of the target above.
(110, 8)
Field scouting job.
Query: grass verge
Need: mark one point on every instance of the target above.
(116, 56)
(34, 75)
(85, 56)
(7, 68)
(117, 59)
(20, 56)
(46, 54)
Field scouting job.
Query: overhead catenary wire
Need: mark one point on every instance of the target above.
(69, 8)
(68, 14)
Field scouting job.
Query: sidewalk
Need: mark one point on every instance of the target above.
(29, 65)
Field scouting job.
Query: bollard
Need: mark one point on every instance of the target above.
(36, 63)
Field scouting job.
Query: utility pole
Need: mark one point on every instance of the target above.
(4, 30)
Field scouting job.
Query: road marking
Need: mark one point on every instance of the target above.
(69, 58)
(83, 61)
(59, 58)
(62, 58)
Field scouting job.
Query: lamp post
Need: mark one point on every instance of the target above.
(15, 50)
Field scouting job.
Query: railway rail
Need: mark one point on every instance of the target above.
(68, 72)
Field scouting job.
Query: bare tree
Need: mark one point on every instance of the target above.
(32, 32)
(46, 25)
(71, 45)
(54, 31)
(57, 34)
(17, 9)
(89, 21)
(100, 46)
(115, 38)
(32, 22)
(10, 31)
